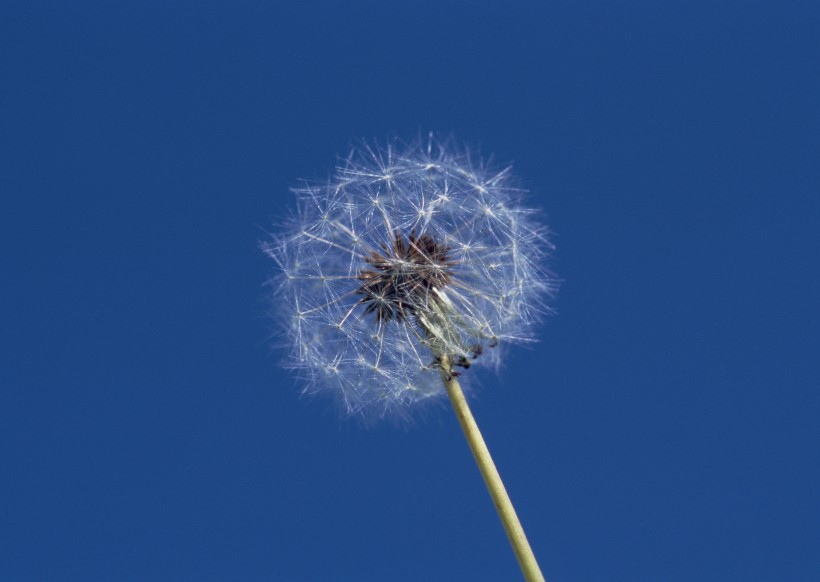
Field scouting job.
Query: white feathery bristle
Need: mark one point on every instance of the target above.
(496, 290)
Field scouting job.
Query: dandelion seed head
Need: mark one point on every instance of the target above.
(406, 254)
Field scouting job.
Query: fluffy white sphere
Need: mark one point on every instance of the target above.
(406, 254)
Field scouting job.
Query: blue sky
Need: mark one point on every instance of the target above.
(664, 427)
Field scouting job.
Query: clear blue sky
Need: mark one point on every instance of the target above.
(664, 428)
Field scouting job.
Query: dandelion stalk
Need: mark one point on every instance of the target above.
(501, 500)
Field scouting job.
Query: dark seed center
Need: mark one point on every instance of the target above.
(402, 277)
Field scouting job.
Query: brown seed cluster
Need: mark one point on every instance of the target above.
(401, 278)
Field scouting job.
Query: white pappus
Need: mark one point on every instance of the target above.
(406, 254)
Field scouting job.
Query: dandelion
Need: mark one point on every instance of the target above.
(407, 267)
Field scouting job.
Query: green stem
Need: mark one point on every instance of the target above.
(515, 533)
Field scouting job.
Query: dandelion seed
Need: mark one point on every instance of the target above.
(423, 245)
(409, 266)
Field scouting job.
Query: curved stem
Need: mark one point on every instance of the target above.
(515, 533)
